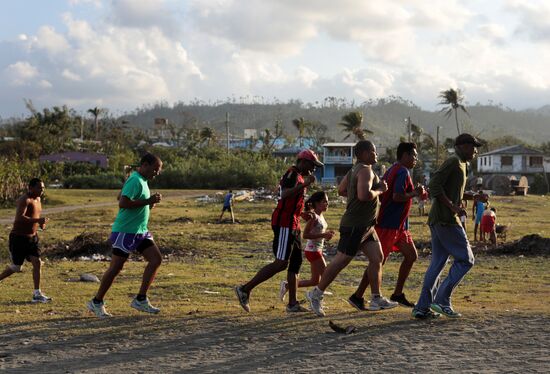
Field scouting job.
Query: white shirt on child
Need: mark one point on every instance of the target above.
(319, 227)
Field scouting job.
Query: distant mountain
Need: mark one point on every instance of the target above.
(385, 117)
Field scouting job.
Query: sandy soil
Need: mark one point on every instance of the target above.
(283, 344)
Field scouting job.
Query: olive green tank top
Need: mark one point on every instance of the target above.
(358, 213)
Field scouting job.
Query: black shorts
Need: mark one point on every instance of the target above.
(352, 239)
(287, 246)
(23, 247)
(226, 208)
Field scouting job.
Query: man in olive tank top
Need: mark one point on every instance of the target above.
(362, 187)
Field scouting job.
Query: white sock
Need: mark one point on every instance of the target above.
(37, 292)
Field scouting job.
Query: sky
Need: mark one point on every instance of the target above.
(122, 54)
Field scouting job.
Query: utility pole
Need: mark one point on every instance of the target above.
(437, 146)
(227, 129)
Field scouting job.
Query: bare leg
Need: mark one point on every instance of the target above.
(221, 215)
(476, 226)
(154, 259)
(363, 284)
(232, 215)
(117, 263)
(410, 255)
(339, 262)
(373, 250)
(36, 271)
(292, 283)
(317, 269)
(265, 273)
(6, 273)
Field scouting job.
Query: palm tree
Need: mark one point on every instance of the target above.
(453, 99)
(301, 124)
(352, 123)
(96, 112)
(206, 135)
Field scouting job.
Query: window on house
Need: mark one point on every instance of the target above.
(535, 161)
(506, 160)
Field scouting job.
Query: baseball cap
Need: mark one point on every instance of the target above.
(307, 154)
(467, 139)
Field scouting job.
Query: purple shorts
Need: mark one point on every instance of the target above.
(129, 243)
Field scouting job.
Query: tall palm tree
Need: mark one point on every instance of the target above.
(301, 124)
(353, 125)
(207, 134)
(96, 112)
(453, 99)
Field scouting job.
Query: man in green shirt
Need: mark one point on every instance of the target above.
(448, 235)
(130, 234)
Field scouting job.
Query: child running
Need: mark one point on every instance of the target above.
(316, 233)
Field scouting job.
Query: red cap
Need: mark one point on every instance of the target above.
(307, 154)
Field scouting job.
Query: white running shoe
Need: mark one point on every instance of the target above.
(144, 306)
(40, 298)
(283, 290)
(98, 309)
(380, 302)
(316, 302)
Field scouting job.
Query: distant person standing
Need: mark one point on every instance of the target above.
(392, 226)
(488, 225)
(228, 205)
(285, 222)
(478, 207)
(130, 234)
(23, 240)
(448, 236)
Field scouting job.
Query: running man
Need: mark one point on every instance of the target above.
(448, 236)
(23, 242)
(285, 222)
(392, 226)
(362, 188)
(130, 234)
(228, 205)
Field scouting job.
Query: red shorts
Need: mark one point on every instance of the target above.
(487, 224)
(390, 238)
(313, 256)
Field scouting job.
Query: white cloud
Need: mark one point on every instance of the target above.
(306, 75)
(20, 73)
(70, 75)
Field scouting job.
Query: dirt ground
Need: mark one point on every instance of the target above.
(296, 343)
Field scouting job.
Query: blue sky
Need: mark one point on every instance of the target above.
(120, 54)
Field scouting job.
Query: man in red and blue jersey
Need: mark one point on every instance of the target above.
(392, 225)
(285, 222)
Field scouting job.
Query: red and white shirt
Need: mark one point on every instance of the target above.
(288, 210)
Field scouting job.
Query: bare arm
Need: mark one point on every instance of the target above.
(343, 186)
(287, 192)
(21, 210)
(126, 203)
(365, 179)
(404, 197)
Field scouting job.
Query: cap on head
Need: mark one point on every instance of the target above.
(467, 139)
(308, 154)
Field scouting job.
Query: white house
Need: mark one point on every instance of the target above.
(515, 160)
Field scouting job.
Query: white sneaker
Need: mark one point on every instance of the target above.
(40, 298)
(98, 309)
(283, 290)
(144, 306)
(380, 302)
(316, 302)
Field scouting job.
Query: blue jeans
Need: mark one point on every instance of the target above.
(447, 240)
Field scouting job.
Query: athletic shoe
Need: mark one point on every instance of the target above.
(40, 298)
(316, 302)
(428, 314)
(445, 310)
(380, 302)
(402, 300)
(144, 306)
(98, 309)
(357, 303)
(243, 298)
(283, 290)
(296, 308)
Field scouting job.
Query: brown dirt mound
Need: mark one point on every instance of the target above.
(85, 244)
(529, 245)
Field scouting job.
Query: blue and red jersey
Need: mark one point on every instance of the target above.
(393, 214)
(287, 213)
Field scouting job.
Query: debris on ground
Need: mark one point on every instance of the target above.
(529, 245)
(342, 330)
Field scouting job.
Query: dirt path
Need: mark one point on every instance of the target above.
(482, 344)
(69, 208)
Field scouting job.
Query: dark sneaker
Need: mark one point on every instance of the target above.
(357, 303)
(402, 300)
(445, 310)
(424, 314)
(243, 298)
(296, 308)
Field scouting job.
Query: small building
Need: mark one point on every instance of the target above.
(338, 160)
(96, 159)
(515, 160)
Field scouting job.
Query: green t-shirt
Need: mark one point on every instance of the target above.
(133, 221)
(450, 179)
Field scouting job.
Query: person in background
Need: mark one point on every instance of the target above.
(228, 205)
